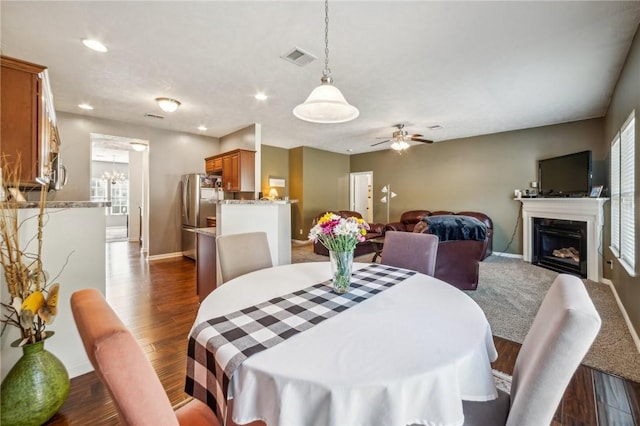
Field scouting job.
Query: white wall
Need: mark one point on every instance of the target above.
(79, 234)
(171, 154)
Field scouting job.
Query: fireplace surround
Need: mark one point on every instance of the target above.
(587, 210)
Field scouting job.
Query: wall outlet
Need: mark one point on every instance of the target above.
(300, 231)
(610, 263)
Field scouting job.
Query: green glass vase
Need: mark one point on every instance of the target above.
(35, 388)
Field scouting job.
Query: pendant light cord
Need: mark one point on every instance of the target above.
(327, 70)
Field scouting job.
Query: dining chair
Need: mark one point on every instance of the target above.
(123, 367)
(410, 250)
(561, 334)
(239, 254)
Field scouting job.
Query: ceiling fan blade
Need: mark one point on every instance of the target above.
(378, 143)
(415, 135)
(421, 140)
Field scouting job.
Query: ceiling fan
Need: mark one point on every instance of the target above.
(400, 138)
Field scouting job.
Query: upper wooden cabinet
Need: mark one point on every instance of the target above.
(237, 167)
(28, 127)
(213, 164)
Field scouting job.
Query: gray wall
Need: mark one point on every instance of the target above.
(477, 174)
(626, 98)
(171, 154)
(275, 164)
(320, 179)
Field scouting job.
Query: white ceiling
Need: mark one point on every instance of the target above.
(472, 67)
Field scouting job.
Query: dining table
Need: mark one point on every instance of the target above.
(407, 352)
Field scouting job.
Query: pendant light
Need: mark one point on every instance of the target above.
(326, 104)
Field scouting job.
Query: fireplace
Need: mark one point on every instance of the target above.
(587, 210)
(560, 245)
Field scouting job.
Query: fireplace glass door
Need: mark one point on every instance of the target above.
(560, 245)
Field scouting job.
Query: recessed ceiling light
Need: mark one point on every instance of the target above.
(261, 96)
(202, 128)
(168, 104)
(95, 45)
(435, 127)
(85, 106)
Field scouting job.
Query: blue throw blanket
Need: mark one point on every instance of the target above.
(454, 227)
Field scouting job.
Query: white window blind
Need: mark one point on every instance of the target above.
(627, 193)
(615, 195)
(623, 226)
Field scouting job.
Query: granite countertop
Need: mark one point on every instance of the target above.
(258, 201)
(60, 204)
(210, 231)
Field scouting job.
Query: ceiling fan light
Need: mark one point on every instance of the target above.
(168, 104)
(399, 145)
(326, 104)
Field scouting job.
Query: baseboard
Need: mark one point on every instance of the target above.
(79, 369)
(164, 256)
(510, 255)
(623, 311)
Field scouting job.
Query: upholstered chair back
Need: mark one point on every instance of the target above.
(123, 367)
(561, 334)
(410, 250)
(239, 254)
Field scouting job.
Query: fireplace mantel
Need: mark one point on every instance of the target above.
(589, 210)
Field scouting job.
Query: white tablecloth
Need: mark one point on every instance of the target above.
(410, 354)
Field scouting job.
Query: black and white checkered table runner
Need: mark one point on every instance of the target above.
(218, 346)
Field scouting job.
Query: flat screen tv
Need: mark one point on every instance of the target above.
(566, 176)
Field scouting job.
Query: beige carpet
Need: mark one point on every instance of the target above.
(510, 292)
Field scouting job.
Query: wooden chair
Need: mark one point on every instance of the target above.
(561, 334)
(239, 254)
(410, 250)
(123, 367)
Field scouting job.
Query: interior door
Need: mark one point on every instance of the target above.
(361, 194)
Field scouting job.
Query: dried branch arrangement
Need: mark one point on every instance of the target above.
(33, 303)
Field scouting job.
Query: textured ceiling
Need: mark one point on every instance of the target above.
(471, 67)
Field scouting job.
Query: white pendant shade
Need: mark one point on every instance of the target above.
(326, 104)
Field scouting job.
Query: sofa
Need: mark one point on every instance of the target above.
(375, 230)
(457, 261)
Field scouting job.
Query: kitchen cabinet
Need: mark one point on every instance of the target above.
(28, 130)
(213, 164)
(238, 169)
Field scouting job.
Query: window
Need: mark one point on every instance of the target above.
(98, 190)
(623, 240)
(120, 197)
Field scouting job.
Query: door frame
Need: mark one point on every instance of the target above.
(369, 194)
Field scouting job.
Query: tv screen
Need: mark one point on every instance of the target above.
(565, 176)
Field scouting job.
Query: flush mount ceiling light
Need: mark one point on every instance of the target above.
(95, 45)
(168, 104)
(85, 106)
(138, 146)
(202, 128)
(326, 104)
(261, 96)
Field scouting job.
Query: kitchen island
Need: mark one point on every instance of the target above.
(236, 217)
(272, 217)
(73, 254)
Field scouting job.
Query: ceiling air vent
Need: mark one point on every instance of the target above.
(298, 56)
(154, 116)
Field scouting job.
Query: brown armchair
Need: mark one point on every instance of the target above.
(457, 261)
(375, 230)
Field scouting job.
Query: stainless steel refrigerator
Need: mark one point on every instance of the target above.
(197, 205)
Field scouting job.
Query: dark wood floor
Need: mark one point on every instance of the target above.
(158, 301)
